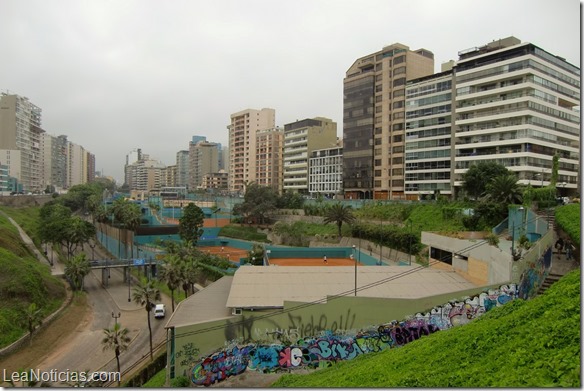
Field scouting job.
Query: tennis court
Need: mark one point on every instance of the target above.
(312, 262)
(231, 253)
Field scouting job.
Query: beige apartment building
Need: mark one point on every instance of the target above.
(374, 120)
(243, 143)
(20, 130)
(269, 167)
(203, 159)
(300, 139)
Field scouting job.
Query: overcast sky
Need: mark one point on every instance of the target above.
(118, 75)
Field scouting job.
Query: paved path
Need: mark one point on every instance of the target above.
(83, 351)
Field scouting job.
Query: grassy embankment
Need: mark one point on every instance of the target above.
(23, 279)
(531, 344)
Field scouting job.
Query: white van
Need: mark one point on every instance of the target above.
(159, 311)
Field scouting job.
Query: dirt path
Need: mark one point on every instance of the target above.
(51, 340)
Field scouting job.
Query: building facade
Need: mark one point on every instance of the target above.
(326, 172)
(216, 180)
(182, 168)
(269, 165)
(203, 159)
(242, 145)
(374, 120)
(300, 139)
(517, 105)
(429, 158)
(20, 129)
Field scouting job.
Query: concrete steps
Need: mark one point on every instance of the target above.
(549, 281)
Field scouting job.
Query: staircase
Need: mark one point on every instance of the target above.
(548, 215)
(549, 281)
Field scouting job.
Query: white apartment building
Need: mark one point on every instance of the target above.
(300, 139)
(517, 105)
(20, 129)
(77, 165)
(429, 157)
(326, 172)
(242, 145)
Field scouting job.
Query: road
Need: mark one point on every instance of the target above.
(84, 351)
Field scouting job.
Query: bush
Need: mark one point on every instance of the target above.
(180, 381)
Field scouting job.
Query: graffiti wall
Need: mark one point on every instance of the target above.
(535, 273)
(290, 350)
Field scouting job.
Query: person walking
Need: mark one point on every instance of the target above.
(324, 260)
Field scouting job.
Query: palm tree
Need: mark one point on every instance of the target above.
(339, 214)
(504, 189)
(171, 274)
(32, 319)
(146, 294)
(76, 269)
(116, 339)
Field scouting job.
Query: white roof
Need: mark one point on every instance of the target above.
(270, 286)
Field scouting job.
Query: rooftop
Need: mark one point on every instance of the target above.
(269, 287)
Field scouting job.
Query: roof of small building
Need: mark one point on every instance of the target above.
(270, 286)
(206, 305)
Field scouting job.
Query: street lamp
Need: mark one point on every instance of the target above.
(355, 258)
(116, 317)
(92, 251)
(129, 280)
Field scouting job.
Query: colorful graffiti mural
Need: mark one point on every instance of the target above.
(533, 277)
(341, 344)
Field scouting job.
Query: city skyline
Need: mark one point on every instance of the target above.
(149, 75)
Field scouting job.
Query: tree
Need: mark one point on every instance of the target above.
(76, 269)
(478, 175)
(76, 232)
(146, 295)
(339, 214)
(258, 203)
(504, 189)
(33, 318)
(170, 272)
(190, 225)
(116, 339)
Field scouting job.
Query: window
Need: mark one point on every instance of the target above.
(397, 138)
(398, 115)
(399, 71)
(399, 104)
(398, 127)
(397, 160)
(397, 149)
(399, 93)
(399, 60)
(399, 82)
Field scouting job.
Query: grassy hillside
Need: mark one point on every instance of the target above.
(532, 343)
(568, 218)
(23, 280)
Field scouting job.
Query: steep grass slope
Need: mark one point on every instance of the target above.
(23, 280)
(532, 343)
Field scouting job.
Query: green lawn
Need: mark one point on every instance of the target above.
(534, 343)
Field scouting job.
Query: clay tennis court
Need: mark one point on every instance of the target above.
(234, 254)
(231, 253)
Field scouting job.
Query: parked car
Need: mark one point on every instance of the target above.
(159, 311)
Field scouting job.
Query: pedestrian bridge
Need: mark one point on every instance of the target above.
(113, 263)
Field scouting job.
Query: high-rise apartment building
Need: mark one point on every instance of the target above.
(203, 159)
(374, 120)
(20, 130)
(269, 165)
(429, 156)
(518, 105)
(54, 161)
(326, 172)
(77, 165)
(242, 144)
(134, 156)
(507, 102)
(300, 139)
(182, 168)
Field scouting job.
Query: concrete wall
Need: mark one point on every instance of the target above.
(344, 315)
